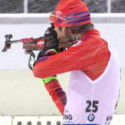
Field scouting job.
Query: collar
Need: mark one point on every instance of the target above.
(92, 32)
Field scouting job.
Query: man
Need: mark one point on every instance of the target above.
(95, 72)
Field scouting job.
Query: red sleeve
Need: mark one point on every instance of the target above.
(75, 58)
(57, 94)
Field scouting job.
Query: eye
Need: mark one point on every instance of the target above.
(60, 28)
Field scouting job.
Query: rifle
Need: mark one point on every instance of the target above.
(8, 43)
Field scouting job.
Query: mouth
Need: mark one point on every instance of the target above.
(62, 38)
(65, 39)
(64, 43)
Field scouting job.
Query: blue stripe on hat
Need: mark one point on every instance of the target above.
(78, 17)
(78, 21)
(79, 13)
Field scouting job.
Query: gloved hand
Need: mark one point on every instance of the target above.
(51, 40)
(33, 44)
(50, 44)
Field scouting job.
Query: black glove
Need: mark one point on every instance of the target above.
(50, 41)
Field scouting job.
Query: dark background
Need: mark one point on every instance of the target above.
(45, 6)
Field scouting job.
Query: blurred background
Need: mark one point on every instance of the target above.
(45, 6)
(23, 95)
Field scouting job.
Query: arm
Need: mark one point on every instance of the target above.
(57, 94)
(54, 89)
(76, 58)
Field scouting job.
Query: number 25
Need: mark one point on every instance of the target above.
(92, 106)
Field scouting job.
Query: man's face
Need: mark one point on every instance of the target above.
(64, 36)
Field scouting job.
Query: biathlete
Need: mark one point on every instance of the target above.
(78, 48)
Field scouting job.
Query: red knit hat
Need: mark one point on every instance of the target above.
(69, 13)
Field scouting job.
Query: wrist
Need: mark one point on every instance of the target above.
(51, 52)
(48, 79)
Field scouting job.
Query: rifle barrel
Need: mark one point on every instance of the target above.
(15, 41)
